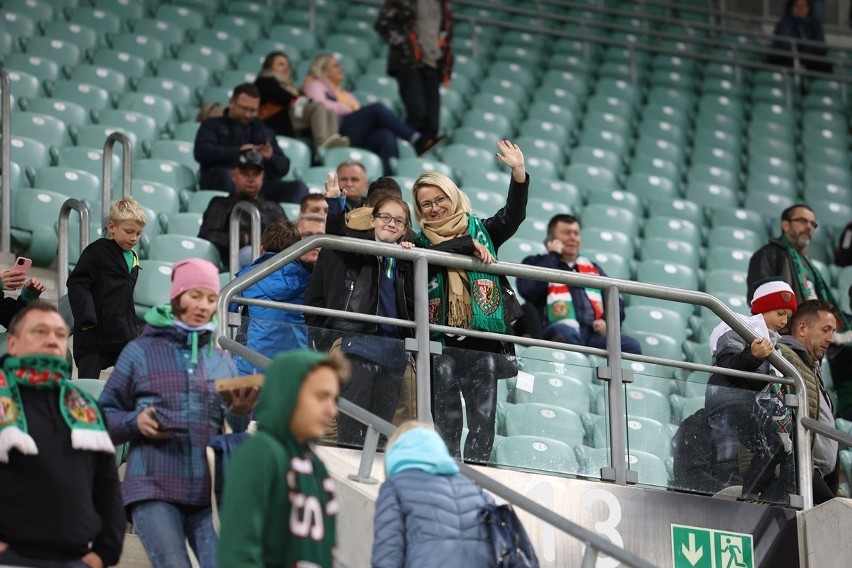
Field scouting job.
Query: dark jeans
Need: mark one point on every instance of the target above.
(467, 368)
(418, 89)
(219, 178)
(588, 337)
(90, 366)
(11, 558)
(373, 387)
(376, 128)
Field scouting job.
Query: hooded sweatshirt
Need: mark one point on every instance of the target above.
(427, 513)
(281, 510)
(172, 368)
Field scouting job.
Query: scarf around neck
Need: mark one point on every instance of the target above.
(560, 303)
(78, 408)
(286, 84)
(359, 219)
(472, 299)
(816, 289)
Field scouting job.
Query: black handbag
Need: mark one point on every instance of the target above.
(511, 545)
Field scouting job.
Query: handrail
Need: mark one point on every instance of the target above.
(70, 204)
(6, 163)
(361, 246)
(595, 542)
(827, 431)
(126, 170)
(234, 234)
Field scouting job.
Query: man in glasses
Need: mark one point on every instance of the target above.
(787, 256)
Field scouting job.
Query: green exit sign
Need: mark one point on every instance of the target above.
(697, 547)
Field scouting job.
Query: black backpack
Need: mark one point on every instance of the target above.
(511, 545)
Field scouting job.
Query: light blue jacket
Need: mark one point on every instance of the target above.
(427, 514)
(269, 330)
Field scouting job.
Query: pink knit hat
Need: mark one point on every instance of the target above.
(193, 273)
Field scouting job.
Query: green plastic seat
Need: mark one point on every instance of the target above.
(736, 302)
(647, 185)
(204, 56)
(590, 178)
(770, 204)
(676, 210)
(198, 200)
(143, 126)
(514, 250)
(711, 195)
(47, 129)
(89, 160)
(771, 183)
(193, 74)
(95, 135)
(186, 131)
(355, 46)
(828, 192)
(299, 37)
(179, 94)
(17, 177)
(549, 207)
(413, 167)
(156, 196)
(166, 31)
(28, 152)
(148, 48)
(187, 224)
(548, 130)
(488, 121)
(833, 214)
(536, 454)
(42, 68)
(614, 265)
(670, 250)
(124, 9)
(727, 257)
(606, 240)
(299, 154)
(161, 109)
(72, 182)
(605, 139)
(36, 10)
(545, 420)
(725, 281)
(371, 161)
(185, 17)
(553, 113)
(659, 321)
(30, 210)
(463, 158)
(221, 40)
(734, 237)
(667, 273)
(56, 50)
(173, 248)
(642, 434)
(651, 149)
(608, 121)
(152, 285)
(131, 65)
(659, 345)
(617, 198)
(642, 402)
(71, 114)
(603, 216)
(559, 390)
(245, 28)
(685, 407)
(103, 77)
(166, 172)
(595, 157)
(89, 97)
(103, 21)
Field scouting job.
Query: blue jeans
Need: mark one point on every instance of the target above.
(164, 528)
(376, 128)
(588, 337)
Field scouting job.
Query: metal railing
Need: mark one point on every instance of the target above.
(6, 164)
(613, 372)
(247, 208)
(126, 170)
(62, 260)
(595, 544)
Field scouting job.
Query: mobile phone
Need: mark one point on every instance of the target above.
(22, 265)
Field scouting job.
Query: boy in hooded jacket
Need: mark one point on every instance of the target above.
(279, 507)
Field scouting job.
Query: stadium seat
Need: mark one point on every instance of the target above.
(515, 250)
(464, 158)
(166, 172)
(36, 10)
(89, 160)
(30, 209)
(156, 196)
(371, 161)
(199, 200)
(727, 257)
(72, 114)
(190, 73)
(603, 216)
(734, 237)
(89, 97)
(28, 153)
(104, 22)
(71, 182)
(103, 77)
(605, 240)
(560, 390)
(159, 108)
(241, 27)
(152, 285)
(172, 248)
(60, 52)
(413, 167)
(670, 250)
(725, 281)
(656, 320)
(184, 17)
(148, 48)
(174, 150)
(178, 93)
(185, 224)
(681, 210)
(544, 420)
(536, 454)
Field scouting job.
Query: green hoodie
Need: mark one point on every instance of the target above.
(279, 508)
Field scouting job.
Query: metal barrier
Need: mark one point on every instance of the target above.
(64, 215)
(234, 234)
(612, 372)
(6, 163)
(126, 170)
(595, 543)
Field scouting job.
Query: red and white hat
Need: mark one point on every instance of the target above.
(773, 294)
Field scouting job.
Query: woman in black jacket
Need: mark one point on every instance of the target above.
(367, 284)
(470, 300)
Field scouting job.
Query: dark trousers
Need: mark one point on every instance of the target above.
(587, 336)
(376, 128)
(372, 387)
(11, 558)
(90, 366)
(418, 89)
(280, 191)
(468, 369)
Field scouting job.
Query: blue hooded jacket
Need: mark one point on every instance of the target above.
(269, 330)
(427, 513)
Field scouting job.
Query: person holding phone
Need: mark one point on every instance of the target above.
(15, 278)
(162, 399)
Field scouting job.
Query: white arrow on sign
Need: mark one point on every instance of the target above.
(691, 553)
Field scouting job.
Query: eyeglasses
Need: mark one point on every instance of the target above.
(387, 218)
(437, 202)
(247, 109)
(804, 221)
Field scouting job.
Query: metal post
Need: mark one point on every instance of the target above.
(6, 164)
(234, 234)
(616, 377)
(368, 454)
(64, 215)
(424, 345)
(126, 165)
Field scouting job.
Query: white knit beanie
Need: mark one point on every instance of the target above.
(773, 294)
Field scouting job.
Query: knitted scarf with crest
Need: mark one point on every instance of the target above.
(471, 299)
(78, 408)
(803, 265)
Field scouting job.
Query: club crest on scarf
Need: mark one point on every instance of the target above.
(8, 411)
(486, 295)
(79, 409)
(434, 310)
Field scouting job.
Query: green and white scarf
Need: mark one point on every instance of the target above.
(78, 408)
(816, 289)
(469, 299)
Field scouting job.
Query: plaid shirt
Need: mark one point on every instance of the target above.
(156, 370)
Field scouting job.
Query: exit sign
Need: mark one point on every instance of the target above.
(697, 547)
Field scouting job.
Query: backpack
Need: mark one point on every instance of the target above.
(509, 541)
